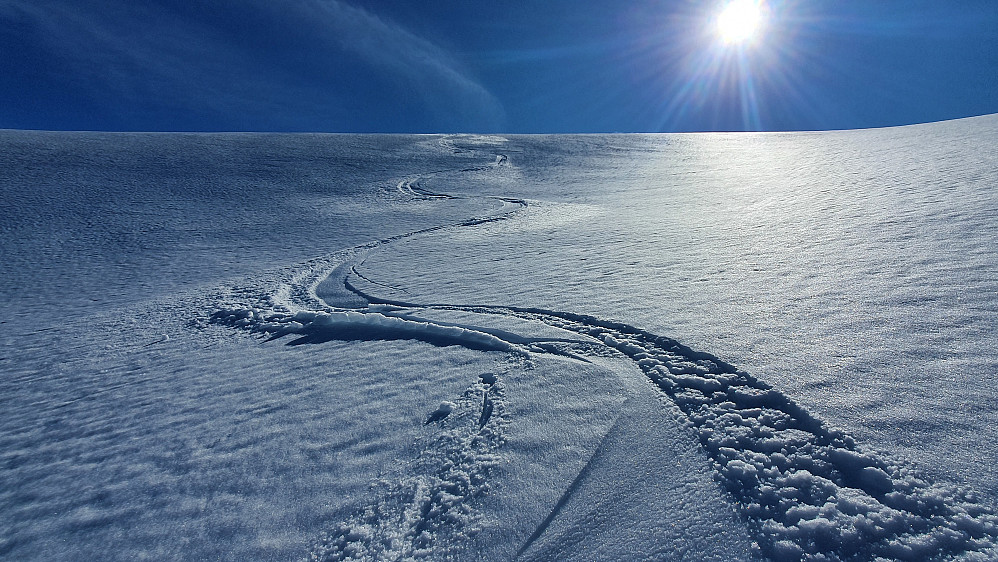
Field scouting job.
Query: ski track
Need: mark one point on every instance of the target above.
(806, 490)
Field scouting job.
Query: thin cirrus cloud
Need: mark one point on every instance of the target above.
(241, 65)
(422, 64)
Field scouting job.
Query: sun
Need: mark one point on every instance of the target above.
(739, 21)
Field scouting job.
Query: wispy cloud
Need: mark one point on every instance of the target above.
(305, 64)
(422, 64)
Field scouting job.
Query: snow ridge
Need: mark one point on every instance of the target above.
(324, 326)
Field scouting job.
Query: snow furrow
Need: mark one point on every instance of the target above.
(569, 492)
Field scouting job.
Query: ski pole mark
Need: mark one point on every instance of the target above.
(353, 270)
(442, 411)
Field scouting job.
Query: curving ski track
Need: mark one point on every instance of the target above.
(807, 491)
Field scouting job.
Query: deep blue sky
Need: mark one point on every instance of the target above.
(474, 66)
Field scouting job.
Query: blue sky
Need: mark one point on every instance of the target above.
(452, 65)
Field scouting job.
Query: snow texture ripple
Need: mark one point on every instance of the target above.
(808, 491)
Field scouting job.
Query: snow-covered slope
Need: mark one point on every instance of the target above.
(708, 346)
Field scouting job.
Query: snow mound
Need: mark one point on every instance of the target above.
(317, 326)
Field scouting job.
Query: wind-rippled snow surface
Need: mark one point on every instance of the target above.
(608, 347)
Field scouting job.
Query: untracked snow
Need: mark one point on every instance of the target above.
(610, 347)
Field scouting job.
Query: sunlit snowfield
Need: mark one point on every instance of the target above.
(615, 347)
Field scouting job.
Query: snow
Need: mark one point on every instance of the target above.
(394, 347)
